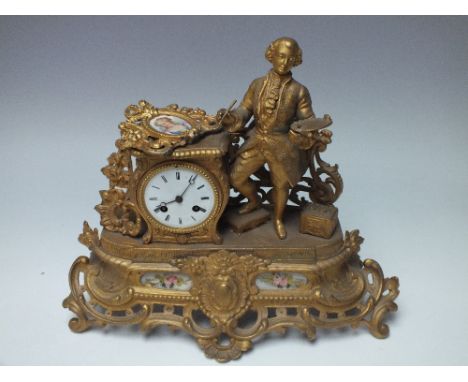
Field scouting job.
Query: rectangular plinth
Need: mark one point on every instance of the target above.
(242, 223)
(260, 241)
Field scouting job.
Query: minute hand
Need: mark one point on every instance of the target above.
(191, 181)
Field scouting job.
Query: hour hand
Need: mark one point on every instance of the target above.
(158, 208)
(163, 206)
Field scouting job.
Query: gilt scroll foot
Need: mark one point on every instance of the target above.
(80, 323)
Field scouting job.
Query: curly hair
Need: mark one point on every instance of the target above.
(291, 43)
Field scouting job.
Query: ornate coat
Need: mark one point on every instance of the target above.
(275, 102)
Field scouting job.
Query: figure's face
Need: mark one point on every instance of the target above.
(166, 122)
(283, 59)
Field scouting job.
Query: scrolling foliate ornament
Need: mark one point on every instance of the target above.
(221, 283)
(103, 287)
(75, 302)
(384, 291)
(137, 134)
(119, 169)
(144, 111)
(138, 138)
(89, 237)
(324, 191)
(119, 214)
(353, 241)
(137, 113)
(341, 283)
(89, 309)
(222, 352)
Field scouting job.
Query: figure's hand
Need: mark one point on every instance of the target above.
(311, 124)
(296, 125)
(228, 121)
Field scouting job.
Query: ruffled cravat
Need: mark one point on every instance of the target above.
(272, 91)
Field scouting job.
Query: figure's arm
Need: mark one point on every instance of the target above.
(307, 129)
(305, 117)
(304, 106)
(236, 119)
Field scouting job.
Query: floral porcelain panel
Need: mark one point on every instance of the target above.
(167, 280)
(280, 280)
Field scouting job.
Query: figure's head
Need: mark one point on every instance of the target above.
(165, 122)
(284, 53)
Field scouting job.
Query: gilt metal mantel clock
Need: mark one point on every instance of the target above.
(224, 225)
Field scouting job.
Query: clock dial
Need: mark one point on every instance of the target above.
(179, 196)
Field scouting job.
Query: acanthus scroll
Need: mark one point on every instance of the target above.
(119, 214)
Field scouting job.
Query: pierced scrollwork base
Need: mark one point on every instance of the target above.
(226, 300)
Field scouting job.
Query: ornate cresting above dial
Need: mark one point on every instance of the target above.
(156, 131)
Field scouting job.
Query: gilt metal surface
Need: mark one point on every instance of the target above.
(224, 309)
(227, 289)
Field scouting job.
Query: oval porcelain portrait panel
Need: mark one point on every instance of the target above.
(170, 125)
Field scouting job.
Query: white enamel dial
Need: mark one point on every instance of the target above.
(179, 196)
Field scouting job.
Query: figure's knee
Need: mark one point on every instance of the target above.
(245, 165)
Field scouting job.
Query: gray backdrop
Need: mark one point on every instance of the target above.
(396, 88)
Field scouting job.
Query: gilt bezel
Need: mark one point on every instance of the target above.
(150, 174)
